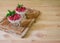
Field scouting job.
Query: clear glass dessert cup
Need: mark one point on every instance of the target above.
(15, 22)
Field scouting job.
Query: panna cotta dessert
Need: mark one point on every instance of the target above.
(20, 9)
(13, 17)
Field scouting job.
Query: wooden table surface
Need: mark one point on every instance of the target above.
(48, 22)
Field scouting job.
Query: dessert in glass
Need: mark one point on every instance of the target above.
(20, 9)
(13, 18)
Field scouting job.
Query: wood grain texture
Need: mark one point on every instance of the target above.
(48, 21)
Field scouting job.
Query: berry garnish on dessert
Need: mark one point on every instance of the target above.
(20, 9)
(13, 17)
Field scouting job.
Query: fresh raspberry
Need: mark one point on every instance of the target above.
(22, 9)
(10, 17)
(15, 17)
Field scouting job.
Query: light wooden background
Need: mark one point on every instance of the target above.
(49, 20)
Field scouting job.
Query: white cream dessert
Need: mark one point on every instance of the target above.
(13, 17)
(21, 10)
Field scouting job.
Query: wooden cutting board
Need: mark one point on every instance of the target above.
(49, 20)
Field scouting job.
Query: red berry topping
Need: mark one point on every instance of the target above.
(10, 17)
(15, 17)
(22, 9)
